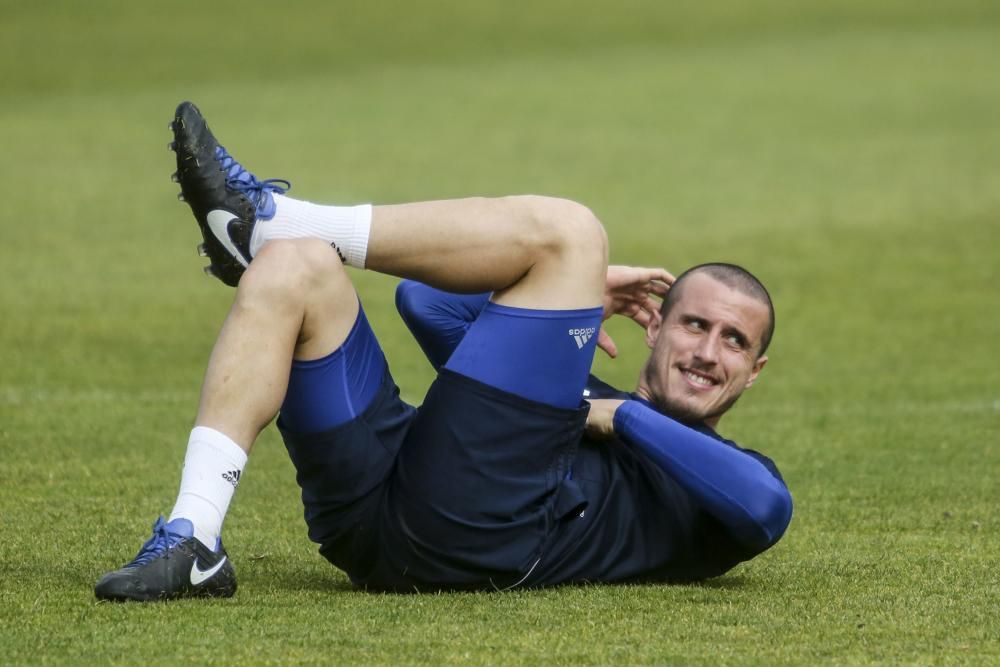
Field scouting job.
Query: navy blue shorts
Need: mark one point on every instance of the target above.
(462, 493)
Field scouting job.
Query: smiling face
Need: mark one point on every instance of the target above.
(706, 351)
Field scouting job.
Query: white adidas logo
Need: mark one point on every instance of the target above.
(581, 336)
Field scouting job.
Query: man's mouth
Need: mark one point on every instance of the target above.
(698, 379)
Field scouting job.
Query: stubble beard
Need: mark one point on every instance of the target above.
(679, 411)
(682, 412)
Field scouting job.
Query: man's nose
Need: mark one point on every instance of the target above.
(707, 351)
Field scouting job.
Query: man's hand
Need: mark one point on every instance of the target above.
(632, 292)
(601, 418)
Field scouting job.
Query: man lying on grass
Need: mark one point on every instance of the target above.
(519, 468)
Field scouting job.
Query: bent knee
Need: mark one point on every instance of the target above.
(567, 229)
(293, 266)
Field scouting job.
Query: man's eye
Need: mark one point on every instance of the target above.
(695, 324)
(735, 340)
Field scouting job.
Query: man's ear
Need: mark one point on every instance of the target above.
(758, 365)
(653, 329)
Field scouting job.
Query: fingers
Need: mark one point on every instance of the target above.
(658, 287)
(652, 305)
(601, 417)
(642, 309)
(636, 293)
(606, 343)
(654, 280)
(645, 316)
(620, 275)
(658, 275)
(643, 305)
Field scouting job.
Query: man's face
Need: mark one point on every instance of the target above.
(705, 351)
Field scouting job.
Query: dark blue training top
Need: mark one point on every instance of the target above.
(662, 501)
(665, 502)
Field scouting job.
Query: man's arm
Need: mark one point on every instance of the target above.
(733, 486)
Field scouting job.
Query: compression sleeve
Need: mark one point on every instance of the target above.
(733, 486)
(437, 319)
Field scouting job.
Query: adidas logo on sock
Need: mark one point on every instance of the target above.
(581, 336)
(233, 477)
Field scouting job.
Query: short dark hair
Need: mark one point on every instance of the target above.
(732, 276)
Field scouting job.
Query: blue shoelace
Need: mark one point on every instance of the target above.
(258, 192)
(157, 545)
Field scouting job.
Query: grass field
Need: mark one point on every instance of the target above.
(848, 153)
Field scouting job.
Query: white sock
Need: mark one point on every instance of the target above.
(345, 227)
(212, 469)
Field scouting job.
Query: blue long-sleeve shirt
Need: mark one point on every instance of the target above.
(733, 486)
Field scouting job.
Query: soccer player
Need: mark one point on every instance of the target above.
(519, 468)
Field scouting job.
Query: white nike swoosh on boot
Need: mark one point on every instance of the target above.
(198, 575)
(218, 222)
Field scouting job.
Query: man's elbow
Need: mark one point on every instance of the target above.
(771, 515)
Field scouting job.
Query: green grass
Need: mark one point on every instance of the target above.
(849, 153)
